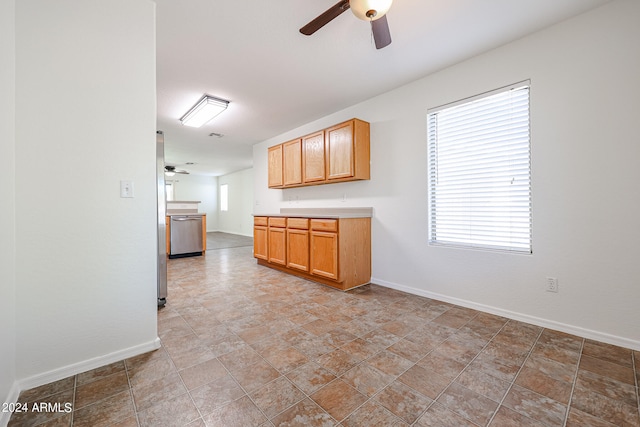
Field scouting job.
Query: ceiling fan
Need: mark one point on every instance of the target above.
(171, 170)
(368, 10)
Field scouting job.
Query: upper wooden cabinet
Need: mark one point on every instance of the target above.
(313, 168)
(347, 151)
(339, 153)
(292, 162)
(275, 166)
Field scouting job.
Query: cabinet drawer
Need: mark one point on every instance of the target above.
(276, 221)
(299, 223)
(324, 224)
(260, 220)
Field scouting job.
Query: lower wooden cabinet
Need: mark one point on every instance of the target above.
(260, 238)
(324, 255)
(335, 252)
(298, 244)
(278, 241)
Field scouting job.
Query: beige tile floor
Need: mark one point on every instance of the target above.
(243, 345)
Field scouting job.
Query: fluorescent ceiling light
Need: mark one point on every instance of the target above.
(206, 109)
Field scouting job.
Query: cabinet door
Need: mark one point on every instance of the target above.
(313, 165)
(275, 166)
(298, 249)
(204, 233)
(260, 248)
(324, 254)
(340, 151)
(277, 245)
(292, 167)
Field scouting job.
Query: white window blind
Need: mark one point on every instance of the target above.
(480, 172)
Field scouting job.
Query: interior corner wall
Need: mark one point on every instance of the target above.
(238, 219)
(585, 101)
(8, 388)
(86, 264)
(199, 188)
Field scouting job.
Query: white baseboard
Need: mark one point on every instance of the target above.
(545, 323)
(76, 368)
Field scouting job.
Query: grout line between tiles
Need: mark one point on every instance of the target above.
(433, 401)
(516, 376)
(190, 398)
(469, 364)
(459, 373)
(73, 399)
(575, 380)
(133, 401)
(636, 376)
(415, 364)
(177, 371)
(334, 373)
(246, 393)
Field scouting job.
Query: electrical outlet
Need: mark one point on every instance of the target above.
(552, 284)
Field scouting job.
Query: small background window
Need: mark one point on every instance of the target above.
(224, 197)
(169, 190)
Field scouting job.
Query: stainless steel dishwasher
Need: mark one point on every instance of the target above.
(186, 235)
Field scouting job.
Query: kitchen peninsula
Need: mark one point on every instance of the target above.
(331, 246)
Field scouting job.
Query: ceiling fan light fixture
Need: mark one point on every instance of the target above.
(370, 10)
(171, 171)
(204, 110)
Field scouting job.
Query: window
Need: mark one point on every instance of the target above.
(169, 190)
(224, 197)
(480, 171)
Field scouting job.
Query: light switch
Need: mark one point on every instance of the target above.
(126, 188)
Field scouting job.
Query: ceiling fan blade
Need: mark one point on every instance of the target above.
(172, 169)
(326, 17)
(381, 34)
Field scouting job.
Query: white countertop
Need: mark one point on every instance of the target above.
(185, 214)
(335, 213)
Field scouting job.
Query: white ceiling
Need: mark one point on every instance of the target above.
(252, 54)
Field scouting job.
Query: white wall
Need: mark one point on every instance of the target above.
(200, 188)
(85, 258)
(8, 389)
(238, 219)
(585, 101)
